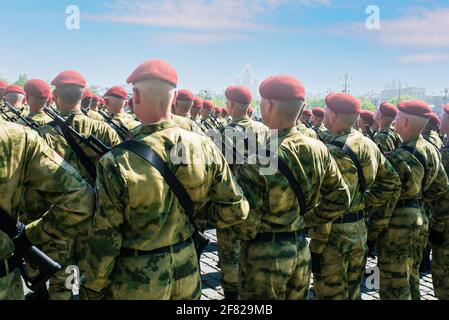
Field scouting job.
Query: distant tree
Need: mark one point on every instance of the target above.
(396, 99)
(312, 103)
(367, 104)
(94, 89)
(23, 78)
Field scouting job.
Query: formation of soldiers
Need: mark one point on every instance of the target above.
(123, 188)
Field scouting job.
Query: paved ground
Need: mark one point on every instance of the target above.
(211, 276)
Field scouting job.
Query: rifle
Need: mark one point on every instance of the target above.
(25, 251)
(7, 116)
(28, 122)
(119, 128)
(92, 142)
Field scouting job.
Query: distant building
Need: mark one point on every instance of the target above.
(249, 80)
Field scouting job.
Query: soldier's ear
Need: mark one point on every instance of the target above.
(136, 95)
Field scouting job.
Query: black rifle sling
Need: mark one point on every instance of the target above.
(294, 184)
(355, 160)
(421, 160)
(84, 159)
(148, 154)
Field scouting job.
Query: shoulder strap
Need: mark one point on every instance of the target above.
(84, 159)
(148, 154)
(361, 178)
(421, 160)
(294, 184)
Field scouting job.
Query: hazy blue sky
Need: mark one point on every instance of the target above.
(208, 41)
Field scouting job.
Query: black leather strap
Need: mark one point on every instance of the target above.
(84, 159)
(148, 154)
(361, 178)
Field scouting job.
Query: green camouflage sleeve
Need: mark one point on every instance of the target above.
(105, 237)
(440, 212)
(72, 198)
(227, 204)
(437, 187)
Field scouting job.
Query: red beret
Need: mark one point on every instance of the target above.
(318, 112)
(3, 85)
(434, 119)
(367, 116)
(69, 78)
(238, 94)
(343, 103)
(88, 94)
(117, 92)
(415, 107)
(198, 103)
(446, 108)
(388, 110)
(307, 113)
(95, 97)
(14, 89)
(185, 95)
(208, 105)
(154, 69)
(38, 88)
(282, 88)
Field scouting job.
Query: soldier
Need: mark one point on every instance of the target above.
(238, 100)
(423, 178)
(196, 110)
(38, 93)
(305, 130)
(387, 138)
(28, 163)
(274, 258)
(70, 89)
(141, 245)
(439, 231)
(317, 124)
(15, 96)
(339, 249)
(88, 106)
(116, 99)
(366, 123)
(184, 102)
(431, 131)
(206, 116)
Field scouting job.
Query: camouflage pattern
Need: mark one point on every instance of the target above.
(154, 219)
(401, 243)
(187, 124)
(126, 120)
(281, 269)
(32, 165)
(306, 131)
(434, 138)
(323, 133)
(94, 115)
(41, 118)
(227, 242)
(440, 253)
(388, 139)
(342, 246)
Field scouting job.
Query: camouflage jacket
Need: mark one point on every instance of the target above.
(126, 120)
(323, 133)
(41, 118)
(138, 210)
(434, 138)
(382, 184)
(440, 212)
(187, 123)
(388, 139)
(86, 127)
(274, 206)
(307, 131)
(94, 115)
(27, 163)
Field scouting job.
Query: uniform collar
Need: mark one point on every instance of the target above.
(344, 132)
(155, 127)
(69, 112)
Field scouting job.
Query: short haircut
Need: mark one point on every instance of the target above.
(184, 105)
(70, 94)
(348, 120)
(290, 109)
(14, 97)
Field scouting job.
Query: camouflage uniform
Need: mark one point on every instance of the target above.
(85, 127)
(41, 118)
(342, 245)
(126, 120)
(274, 258)
(94, 115)
(153, 222)
(434, 138)
(31, 165)
(323, 133)
(306, 131)
(228, 244)
(388, 139)
(187, 123)
(401, 243)
(440, 253)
